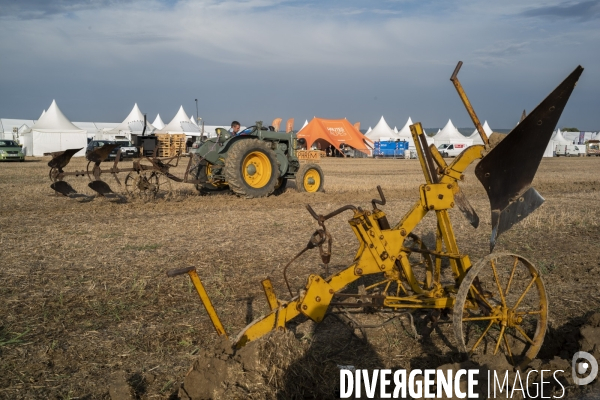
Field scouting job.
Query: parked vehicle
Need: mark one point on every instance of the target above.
(94, 144)
(567, 150)
(10, 150)
(128, 150)
(452, 149)
(592, 148)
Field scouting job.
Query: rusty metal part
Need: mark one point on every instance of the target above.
(323, 218)
(466, 208)
(60, 159)
(63, 188)
(523, 116)
(381, 202)
(104, 190)
(467, 103)
(101, 153)
(507, 171)
(317, 239)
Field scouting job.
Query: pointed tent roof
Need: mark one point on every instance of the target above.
(181, 124)
(305, 123)
(193, 120)
(158, 122)
(405, 131)
(559, 138)
(335, 132)
(475, 135)
(395, 129)
(134, 122)
(43, 112)
(382, 130)
(448, 133)
(54, 120)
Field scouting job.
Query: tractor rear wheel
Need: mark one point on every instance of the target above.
(310, 178)
(251, 168)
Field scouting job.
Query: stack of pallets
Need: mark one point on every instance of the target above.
(168, 145)
(163, 145)
(177, 144)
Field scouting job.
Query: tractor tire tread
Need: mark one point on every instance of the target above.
(233, 168)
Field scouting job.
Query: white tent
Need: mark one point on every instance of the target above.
(382, 131)
(404, 134)
(181, 124)
(305, 123)
(133, 124)
(53, 132)
(158, 122)
(368, 131)
(193, 120)
(556, 139)
(90, 128)
(475, 135)
(395, 130)
(449, 134)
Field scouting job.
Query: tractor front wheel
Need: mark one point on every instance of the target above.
(251, 168)
(310, 178)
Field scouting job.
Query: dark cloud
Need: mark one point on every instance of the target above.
(584, 10)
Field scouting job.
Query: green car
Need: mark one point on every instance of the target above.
(10, 150)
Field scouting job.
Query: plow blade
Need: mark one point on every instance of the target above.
(63, 188)
(507, 171)
(60, 159)
(101, 153)
(104, 190)
(67, 190)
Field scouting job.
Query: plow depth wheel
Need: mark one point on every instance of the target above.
(501, 305)
(310, 178)
(147, 184)
(162, 184)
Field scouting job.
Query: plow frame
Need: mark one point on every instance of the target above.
(383, 250)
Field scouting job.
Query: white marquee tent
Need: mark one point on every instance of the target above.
(382, 131)
(475, 135)
(133, 124)
(305, 123)
(53, 132)
(158, 122)
(181, 124)
(449, 134)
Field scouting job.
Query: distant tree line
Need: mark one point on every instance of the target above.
(570, 129)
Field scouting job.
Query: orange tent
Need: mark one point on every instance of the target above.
(335, 132)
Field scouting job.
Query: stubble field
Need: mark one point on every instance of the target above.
(85, 301)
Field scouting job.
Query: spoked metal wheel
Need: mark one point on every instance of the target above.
(53, 174)
(501, 305)
(162, 184)
(141, 185)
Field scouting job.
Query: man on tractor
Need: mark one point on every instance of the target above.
(235, 128)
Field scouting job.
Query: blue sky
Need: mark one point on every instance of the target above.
(262, 59)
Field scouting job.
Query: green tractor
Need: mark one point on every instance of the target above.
(257, 162)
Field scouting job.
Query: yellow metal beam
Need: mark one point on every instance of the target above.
(207, 303)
